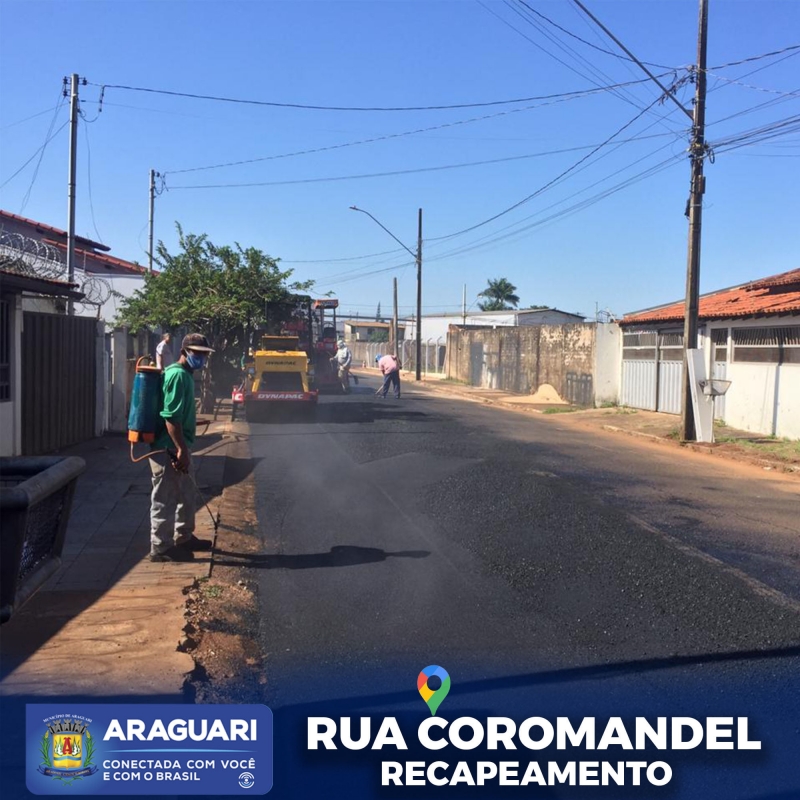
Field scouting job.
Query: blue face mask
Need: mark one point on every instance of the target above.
(195, 360)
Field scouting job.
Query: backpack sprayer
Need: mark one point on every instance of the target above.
(144, 415)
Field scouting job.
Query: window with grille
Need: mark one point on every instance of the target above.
(767, 345)
(719, 338)
(639, 346)
(5, 351)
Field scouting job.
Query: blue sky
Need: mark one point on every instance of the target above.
(623, 252)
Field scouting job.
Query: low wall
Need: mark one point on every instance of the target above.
(556, 362)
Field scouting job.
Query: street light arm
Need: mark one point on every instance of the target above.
(411, 252)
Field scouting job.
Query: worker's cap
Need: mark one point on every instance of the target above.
(340, 342)
(378, 357)
(197, 342)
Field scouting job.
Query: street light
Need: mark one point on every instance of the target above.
(418, 259)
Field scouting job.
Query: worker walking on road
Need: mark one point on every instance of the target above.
(172, 502)
(390, 368)
(343, 359)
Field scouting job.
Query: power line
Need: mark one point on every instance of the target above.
(558, 178)
(550, 100)
(36, 152)
(32, 116)
(667, 92)
(48, 137)
(352, 275)
(273, 104)
(399, 172)
(587, 43)
(750, 86)
(623, 94)
(89, 176)
(756, 58)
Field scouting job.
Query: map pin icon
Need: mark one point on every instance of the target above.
(433, 697)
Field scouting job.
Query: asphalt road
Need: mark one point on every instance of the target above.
(551, 570)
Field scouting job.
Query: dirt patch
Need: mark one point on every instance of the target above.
(222, 611)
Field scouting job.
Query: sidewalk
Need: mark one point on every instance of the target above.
(108, 622)
(762, 451)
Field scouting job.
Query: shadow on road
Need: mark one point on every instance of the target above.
(569, 675)
(339, 556)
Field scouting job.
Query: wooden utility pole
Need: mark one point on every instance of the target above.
(419, 296)
(73, 157)
(697, 153)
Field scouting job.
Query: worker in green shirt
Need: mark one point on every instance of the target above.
(172, 502)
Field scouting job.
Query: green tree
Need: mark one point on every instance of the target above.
(379, 336)
(499, 295)
(378, 313)
(222, 292)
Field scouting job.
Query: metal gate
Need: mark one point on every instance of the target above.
(652, 370)
(58, 381)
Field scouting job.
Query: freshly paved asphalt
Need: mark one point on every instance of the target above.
(551, 570)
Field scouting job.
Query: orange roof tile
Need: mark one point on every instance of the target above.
(777, 294)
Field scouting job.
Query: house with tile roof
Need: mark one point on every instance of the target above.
(103, 279)
(751, 336)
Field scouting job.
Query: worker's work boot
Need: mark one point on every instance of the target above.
(195, 545)
(173, 554)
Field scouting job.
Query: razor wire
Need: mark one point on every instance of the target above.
(33, 258)
(30, 257)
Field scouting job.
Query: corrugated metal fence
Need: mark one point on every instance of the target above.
(58, 381)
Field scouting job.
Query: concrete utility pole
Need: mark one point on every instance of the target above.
(464, 306)
(419, 296)
(73, 156)
(697, 153)
(153, 174)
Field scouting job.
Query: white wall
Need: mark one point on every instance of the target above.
(763, 398)
(125, 285)
(608, 362)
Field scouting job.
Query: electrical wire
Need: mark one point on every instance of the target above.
(48, 137)
(302, 106)
(550, 183)
(551, 100)
(750, 86)
(394, 173)
(89, 177)
(36, 152)
(757, 58)
(587, 43)
(32, 116)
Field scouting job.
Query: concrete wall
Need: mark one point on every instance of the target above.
(437, 326)
(555, 362)
(763, 398)
(608, 363)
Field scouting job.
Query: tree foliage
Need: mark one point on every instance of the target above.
(499, 295)
(221, 292)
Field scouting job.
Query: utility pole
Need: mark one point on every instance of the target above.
(419, 296)
(395, 338)
(153, 174)
(464, 306)
(697, 153)
(73, 156)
